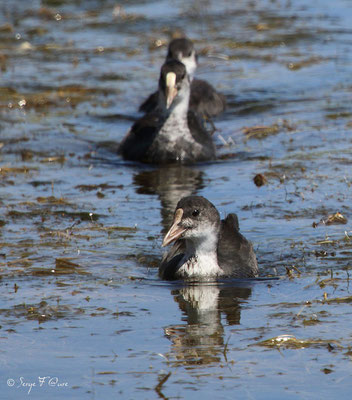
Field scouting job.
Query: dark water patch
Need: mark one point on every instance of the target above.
(42, 183)
(244, 107)
(102, 186)
(277, 40)
(71, 215)
(342, 114)
(41, 312)
(116, 117)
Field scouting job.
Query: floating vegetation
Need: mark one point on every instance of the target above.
(311, 321)
(70, 95)
(113, 228)
(339, 300)
(295, 66)
(6, 28)
(263, 44)
(102, 186)
(260, 180)
(63, 266)
(16, 170)
(157, 43)
(81, 215)
(260, 131)
(52, 200)
(59, 159)
(332, 219)
(290, 271)
(291, 342)
(18, 263)
(336, 218)
(323, 253)
(342, 114)
(41, 312)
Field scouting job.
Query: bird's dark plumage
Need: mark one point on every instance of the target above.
(235, 250)
(205, 247)
(204, 99)
(170, 134)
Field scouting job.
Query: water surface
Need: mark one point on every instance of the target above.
(81, 229)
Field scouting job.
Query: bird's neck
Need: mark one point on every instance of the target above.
(201, 257)
(191, 66)
(175, 119)
(179, 108)
(205, 245)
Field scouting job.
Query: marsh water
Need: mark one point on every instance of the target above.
(83, 312)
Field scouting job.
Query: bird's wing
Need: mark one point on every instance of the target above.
(140, 137)
(205, 100)
(200, 134)
(235, 253)
(150, 103)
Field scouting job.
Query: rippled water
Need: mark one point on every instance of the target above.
(81, 229)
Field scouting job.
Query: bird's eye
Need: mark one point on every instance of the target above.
(195, 213)
(189, 54)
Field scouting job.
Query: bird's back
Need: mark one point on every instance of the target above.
(236, 256)
(205, 100)
(140, 137)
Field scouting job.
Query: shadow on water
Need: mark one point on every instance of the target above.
(169, 184)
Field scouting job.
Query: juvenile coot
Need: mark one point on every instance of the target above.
(206, 248)
(204, 99)
(170, 134)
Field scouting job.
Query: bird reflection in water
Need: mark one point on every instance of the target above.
(201, 340)
(169, 183)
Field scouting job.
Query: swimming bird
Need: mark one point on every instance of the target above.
(206, 248)
(204, 99)
(170, 134)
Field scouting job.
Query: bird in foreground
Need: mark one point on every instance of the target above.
(170, 134)
(205, 247)
(204, 99)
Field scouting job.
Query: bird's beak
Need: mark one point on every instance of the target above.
(176, 230)
(171, 90)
